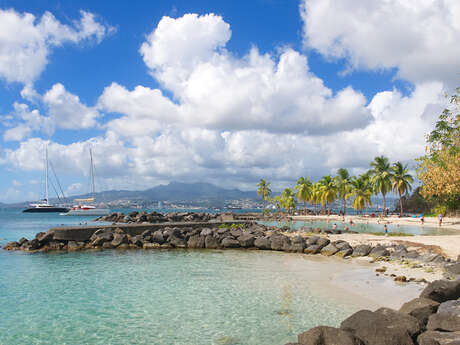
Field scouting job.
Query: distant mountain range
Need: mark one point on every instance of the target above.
(174, 191)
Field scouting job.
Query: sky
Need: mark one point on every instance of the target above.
(225, 92)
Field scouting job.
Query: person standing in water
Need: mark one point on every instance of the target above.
(440, 219)
(385, 230)
(334, 227)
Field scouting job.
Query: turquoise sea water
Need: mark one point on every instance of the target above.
(164, 297)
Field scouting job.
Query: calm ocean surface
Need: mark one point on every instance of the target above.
(166, 297)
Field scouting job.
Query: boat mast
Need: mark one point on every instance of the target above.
(46, 174)
(92, 174)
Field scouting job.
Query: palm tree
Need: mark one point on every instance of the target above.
(342, 182)
(401, 182)
(381, 177)
(328, 191)
(287, 199)
(360, 192)
(366, 177)
(315, 195)
(264, 190)
(303, 188)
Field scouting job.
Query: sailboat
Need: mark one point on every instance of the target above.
(44, 206)
(85, 206)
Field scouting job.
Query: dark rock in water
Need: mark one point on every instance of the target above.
(32, 245)
(262, 243)
(45, 237)
(324, 335)
(447, 318)
(196, 241)
(382, 327)
(313, 249)
(246, 240)
(442, 290)
(329, 250)
(13, 245)
(379, 251)
(107, 245)
(137, 240)
(439, 338)
(21, 241)
(230, 243)
(312, 240)
(211, 242)
(361, 250)
(420, 308)
(74, 246)
(177, 241)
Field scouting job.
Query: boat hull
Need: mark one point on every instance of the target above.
(90, 212)
(46, 210)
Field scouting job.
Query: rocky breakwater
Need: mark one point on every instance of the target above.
(155, 217)
(431, 319)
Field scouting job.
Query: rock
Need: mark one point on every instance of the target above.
(107, 245)
(361, 250)
(453, 269)
(158, 237)
(13, 245)
(312, 240)
(206, 232)
(118, 231)
(196, 242)
(146, 233)
(119, 238)
(313, 249)
(401, 279)
(21, 241)
(439, 338)
(236, 232)
(45, 237)
(32, 245)
(341, 245)
(222, 231)
(177, 241)
(382, 327)
(100, 237)
(378, 252)
(262, 243)
(442, 290)
(324, 335)
(323, 242)
(297, 247)
(329, 250)
(137, 240)
(447, 318)
(211, 242)
(420, 308)
(74, 246)
(246, 240)
(230, 243)
(344, 252)
(399, 253)
(278, 242)
(412, 254)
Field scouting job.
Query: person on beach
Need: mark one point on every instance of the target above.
(334, 227)
(440, 219)
(422, 219)
(385, 230)
(346, 228)
(351, 222)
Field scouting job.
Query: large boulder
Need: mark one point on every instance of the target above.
(137, 240)
(177, 241)
(206, 232)
(420, 308)
(196, 241)
(447, 318)
(229, 242)
(361, 250)
(442, 290)
(439, 338)
(279, 242)
(344, 252)
(313, 249)
(119, 239)
(312, 240)
(211, 242)
(329, 250)
(246, 240)
(323, 242)
(382, 327)
(453, 269)
(324, 335)
(157, 237)
(45, 237)
(262, 243)
(378, 252)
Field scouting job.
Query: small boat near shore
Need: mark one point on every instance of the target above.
(85, 207)
(44, 206)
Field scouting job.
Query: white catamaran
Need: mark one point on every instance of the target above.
(85, 206)
(44, 206)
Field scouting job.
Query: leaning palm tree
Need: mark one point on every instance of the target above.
(401, 182)
(303, 188)
(381, 177)
(342, 182)
(328, 191)
(360, 192)
(264, 190)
